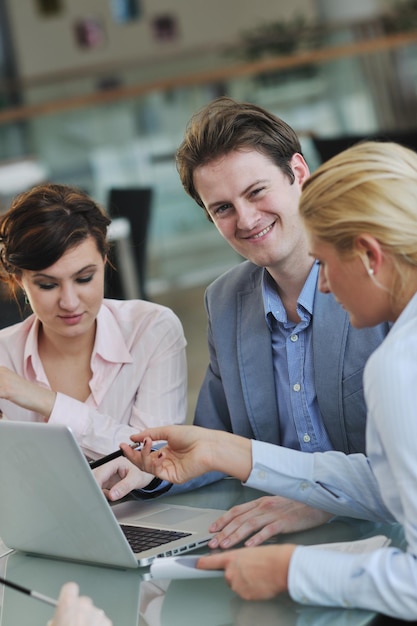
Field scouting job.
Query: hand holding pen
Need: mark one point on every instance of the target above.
(113, 455)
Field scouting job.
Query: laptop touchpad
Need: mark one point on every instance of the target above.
(169, 516)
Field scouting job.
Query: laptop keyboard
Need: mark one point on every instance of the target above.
(141, 538)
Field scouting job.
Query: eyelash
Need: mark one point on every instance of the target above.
(257, 190)
(224, 207)
(80, 281)
(85, 279)
(221, 209)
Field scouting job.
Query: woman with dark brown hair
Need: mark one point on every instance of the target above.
(106, 368)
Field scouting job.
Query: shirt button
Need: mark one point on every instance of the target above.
(261, 475)
(306, 438)
(294, 338)
(297, 387)
(304, 486)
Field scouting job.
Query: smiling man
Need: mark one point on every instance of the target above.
(285, 364)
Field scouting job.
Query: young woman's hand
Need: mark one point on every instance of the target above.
(119, 477)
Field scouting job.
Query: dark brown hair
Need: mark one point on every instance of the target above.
(42, 224)
(225, 125)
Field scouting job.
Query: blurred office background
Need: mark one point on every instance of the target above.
(97, 93)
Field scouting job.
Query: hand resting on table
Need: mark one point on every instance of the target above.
(263, 518)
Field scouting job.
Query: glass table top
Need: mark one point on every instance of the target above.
(131, 600)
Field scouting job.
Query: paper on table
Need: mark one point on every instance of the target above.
(356, 547)
(171, 567)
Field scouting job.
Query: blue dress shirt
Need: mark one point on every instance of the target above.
(300, 422)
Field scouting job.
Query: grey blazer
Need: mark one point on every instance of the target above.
(238, 392)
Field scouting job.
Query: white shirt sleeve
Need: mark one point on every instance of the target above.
(332, 481)
(384, 580)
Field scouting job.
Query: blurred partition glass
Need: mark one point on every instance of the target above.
(124, 132)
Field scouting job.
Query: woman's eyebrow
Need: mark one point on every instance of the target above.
(90, 266)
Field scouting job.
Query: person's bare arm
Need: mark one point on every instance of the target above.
(28, 395)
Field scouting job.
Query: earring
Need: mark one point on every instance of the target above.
(371, 271)
(25, 297)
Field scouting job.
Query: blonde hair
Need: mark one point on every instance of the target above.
(368, 188)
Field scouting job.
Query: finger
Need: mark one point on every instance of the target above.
(105, 473)
(158, 433)
(268, 531)
(140, 458)
(212, 561)
(229, 516)
(69, 592)
(67, 597)
(134, 479)
(119, 490)
(228, 538)
(239, 529)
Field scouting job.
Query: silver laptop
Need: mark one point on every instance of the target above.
(51, 505)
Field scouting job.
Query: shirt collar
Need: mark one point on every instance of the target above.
(32, 364)
(408, 313)
(109, 344)
(273, 304)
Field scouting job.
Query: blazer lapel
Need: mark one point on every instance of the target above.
(255, 364)
(330, 331)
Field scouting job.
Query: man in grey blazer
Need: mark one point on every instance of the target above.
(285, 364)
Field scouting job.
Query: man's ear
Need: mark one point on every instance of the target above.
(300, 168)
(370, 251)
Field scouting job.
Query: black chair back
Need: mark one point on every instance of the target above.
(328, 147)
(133, 203)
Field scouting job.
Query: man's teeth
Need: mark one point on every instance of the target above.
(263, 232)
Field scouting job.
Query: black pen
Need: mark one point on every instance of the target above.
(112, 455)
(28, 592)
